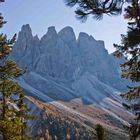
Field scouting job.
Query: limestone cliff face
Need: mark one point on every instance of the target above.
(63, 67)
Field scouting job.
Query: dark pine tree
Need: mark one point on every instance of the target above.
(13, 112)
(100, 133)
(130, 48)
(96, 8)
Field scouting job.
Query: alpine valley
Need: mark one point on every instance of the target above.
(75, 79)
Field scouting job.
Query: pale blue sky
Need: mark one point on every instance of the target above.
(41, 14)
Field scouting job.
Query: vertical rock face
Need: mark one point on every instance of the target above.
(49, 39)
(58, 57)
(69, 62)
(96, 60)
(26, 49)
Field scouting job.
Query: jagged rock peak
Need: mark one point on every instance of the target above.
(51, 31)
(25, 34)
(36, 37)
(68, 36)
(67, 31)
(26, 29)
(50, 35)
(83, 35)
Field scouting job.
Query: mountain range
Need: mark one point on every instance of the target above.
(64, 70)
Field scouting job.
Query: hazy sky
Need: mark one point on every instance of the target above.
(41, 14)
